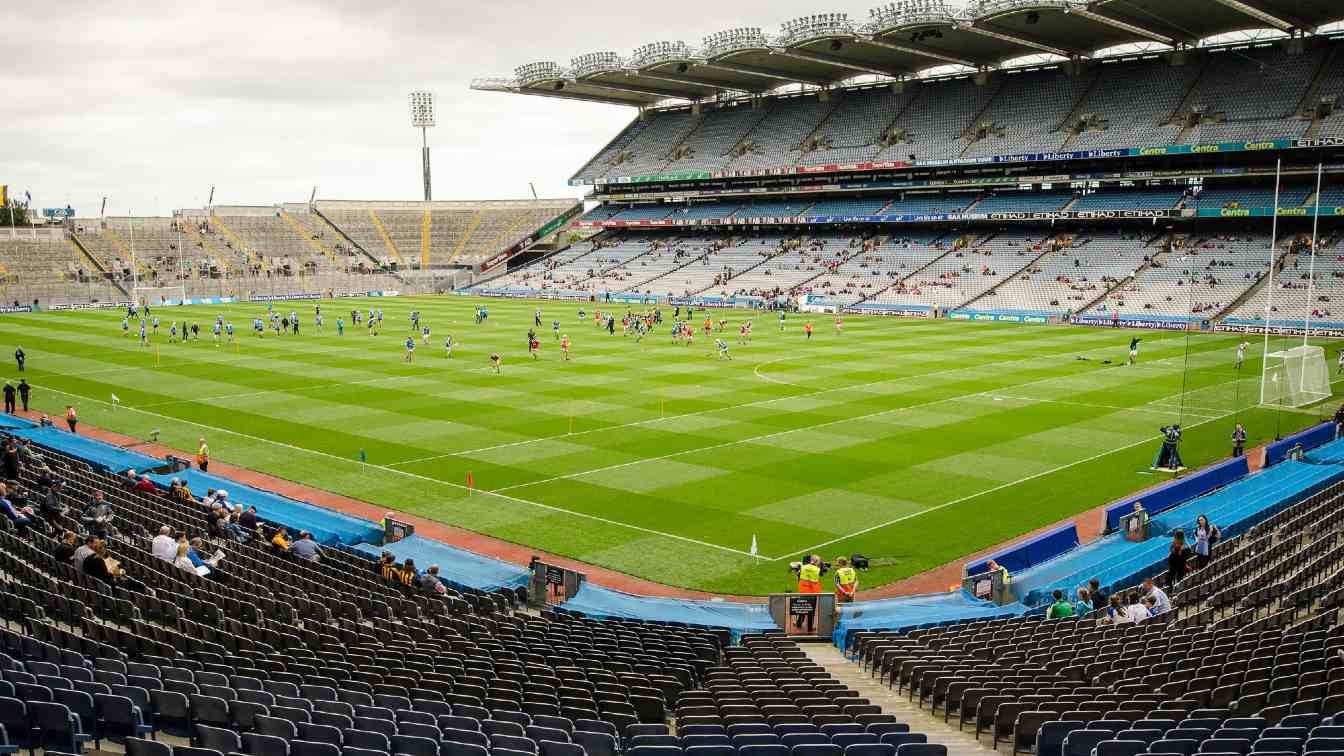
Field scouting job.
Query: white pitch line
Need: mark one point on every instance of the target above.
(606, 428)
(766, 436)
(458, 486)
(757, 370)
(944, 505)
(1138, 408)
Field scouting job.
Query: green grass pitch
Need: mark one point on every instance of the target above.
(914, 442)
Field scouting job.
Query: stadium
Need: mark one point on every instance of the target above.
(918, 380)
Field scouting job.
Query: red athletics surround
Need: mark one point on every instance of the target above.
(931, 581)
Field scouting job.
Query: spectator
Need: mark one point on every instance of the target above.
(82, 553)
(199, 547)
(409, 574)
(387, 567)
(1178, 558)
(281, 540)
(100, 565)
(98, 517)
(1084, 603)
(1161, 602)
(1206, 535)
(1099, 598)
(1061, 608)
(22, 517)
(164, 546)
(1136, 610)
(146, 486)
(993, 566)
(247, 520)
(178, 492)
(181, 558)
(1116, 613)
(1150, 604)
(430, 582)
(26, 454)
(306, 548)
(65, 550)
(9, 459)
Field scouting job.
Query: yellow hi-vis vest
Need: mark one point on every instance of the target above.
(846, 576)
(809, 579)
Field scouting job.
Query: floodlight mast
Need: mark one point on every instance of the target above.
(422, 117)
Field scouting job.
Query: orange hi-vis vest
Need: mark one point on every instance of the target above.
(809, 579)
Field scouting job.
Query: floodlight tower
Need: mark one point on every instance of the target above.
(422, 117)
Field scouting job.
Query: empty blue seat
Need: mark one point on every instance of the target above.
(1081, 742)
(1120, 748)
(1050, 738)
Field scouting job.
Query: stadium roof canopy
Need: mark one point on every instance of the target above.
(900, 39)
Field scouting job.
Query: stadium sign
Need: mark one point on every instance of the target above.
(21, 308)
(1267, 212)
(1081, 215)
(1026, 157)
(57, 213)
(526, 243)
(90, 306)
(283, 297)
(898, 311)
(1327, 330)
(1150, 323)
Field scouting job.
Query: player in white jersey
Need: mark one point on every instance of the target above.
(448, 347)
(228, 329)
(1241, 354)
(216, 329)
(144, 339)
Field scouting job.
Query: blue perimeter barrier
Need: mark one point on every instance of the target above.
(327, 526)
(1118, 563)
(597, 601)
(1309, 438)
(1031, 552)
(107, 456)
(1171, 494)
(459, 568)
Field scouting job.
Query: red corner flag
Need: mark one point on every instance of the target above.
(470, 482)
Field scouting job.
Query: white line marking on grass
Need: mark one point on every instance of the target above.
(1139, 408)
(944, 505)
(776, 434)
(759, 374)
(819, 392)
(458, 486)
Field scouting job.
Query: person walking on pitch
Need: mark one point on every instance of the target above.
(448, 347)
(1241, 354)
(410, 348)
(20, 357)
(1133, 350)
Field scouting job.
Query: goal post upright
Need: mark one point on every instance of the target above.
(1269, 291)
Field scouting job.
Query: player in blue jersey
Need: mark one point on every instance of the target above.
(172, 332)
(410, 348)
(424, 332)
(125, 326)
(216, 332)
(555, 329)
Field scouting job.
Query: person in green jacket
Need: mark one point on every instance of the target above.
(1060, 608)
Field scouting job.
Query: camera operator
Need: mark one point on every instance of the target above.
(809, 581)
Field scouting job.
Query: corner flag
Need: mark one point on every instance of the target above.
(753, 544)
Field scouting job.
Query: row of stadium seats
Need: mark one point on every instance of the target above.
(1222, 95)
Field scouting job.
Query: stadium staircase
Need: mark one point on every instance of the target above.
(968, 133)
(737, 273)
(689, 262)
(425, 225)
(1124, 281)
(387, 238)
(1074, 112)
(378, 264)
(310, 236)
(96, 263)
(958, 245)
(851, 676)
(226, 268)
(991, 291)
(466, 236)
(1183, 106)
(1285, 261)
(817, 130)
(897, 119)
(1306, 108)
(125, 251)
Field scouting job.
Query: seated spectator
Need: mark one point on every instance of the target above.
(146, 486)
(181, 560)
(50, 499)
(1061, 608)
(178, 492)
(280, 540)
(1161, 602)
(1150, 605)
(22, 517)
(1083, 605)
(1136, 610)
(130, 479)
(247, 520)
(430, 583)
(199, 547)
(65, 550)
(100, 565)
(408, 574)
(98, 517)
(387, 567)
(1099, 598)
(306, 548)
(164, 546)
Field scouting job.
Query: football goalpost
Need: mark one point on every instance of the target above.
(1297, 376)
(159, 296)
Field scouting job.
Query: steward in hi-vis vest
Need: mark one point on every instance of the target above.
(846, 581)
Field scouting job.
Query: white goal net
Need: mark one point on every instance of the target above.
(159, 296)
(1295, 377)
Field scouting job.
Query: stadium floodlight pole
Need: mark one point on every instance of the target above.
(422, 117)
(1269, 285)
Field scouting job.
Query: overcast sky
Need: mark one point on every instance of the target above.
(153, 103)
